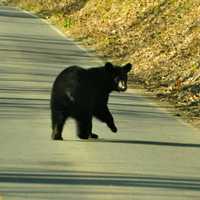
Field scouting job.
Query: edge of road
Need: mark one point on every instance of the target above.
(167, 108)
(164, 106)
(88, 51)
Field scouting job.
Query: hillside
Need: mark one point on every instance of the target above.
(160, 37)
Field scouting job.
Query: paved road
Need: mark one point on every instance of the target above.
(154, 155)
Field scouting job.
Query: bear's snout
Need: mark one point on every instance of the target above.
(122, 86)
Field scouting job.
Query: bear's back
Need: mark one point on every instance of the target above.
(68, 79)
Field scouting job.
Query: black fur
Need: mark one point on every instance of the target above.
(83, 93)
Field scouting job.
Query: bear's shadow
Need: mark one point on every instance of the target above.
(140, 142)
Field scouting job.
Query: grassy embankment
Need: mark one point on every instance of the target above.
(160, 37)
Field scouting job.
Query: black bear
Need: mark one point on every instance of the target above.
(83, 93)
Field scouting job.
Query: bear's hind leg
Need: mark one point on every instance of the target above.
(93, 135)
(58, 120)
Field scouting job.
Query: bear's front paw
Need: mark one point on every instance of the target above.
(83, 136)
(56, 137)
(114, 129)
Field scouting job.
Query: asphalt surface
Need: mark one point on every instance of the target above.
(153, 156)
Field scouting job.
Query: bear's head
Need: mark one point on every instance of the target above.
(118, 76)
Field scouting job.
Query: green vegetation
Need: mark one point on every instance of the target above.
(160, 37)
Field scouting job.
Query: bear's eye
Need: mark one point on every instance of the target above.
(116, 79)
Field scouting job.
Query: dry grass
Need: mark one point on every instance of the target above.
(160, 37)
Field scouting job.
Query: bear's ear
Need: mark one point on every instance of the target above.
(127, 68)
(109, 66)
